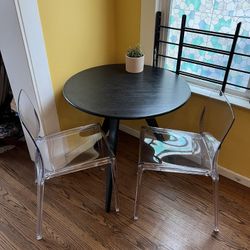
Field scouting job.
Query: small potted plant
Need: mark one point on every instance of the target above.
(135, 59)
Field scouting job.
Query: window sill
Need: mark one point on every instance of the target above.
(233, 99)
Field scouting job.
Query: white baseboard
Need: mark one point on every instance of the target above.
(129, 130)
(223, 171)
(234, 176)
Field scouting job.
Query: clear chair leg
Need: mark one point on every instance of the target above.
(216, 201)
(138, 191)
(114, 180)
(40, 194)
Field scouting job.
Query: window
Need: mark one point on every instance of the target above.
(212, 15)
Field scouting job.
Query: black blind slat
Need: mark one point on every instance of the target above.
(181, 45)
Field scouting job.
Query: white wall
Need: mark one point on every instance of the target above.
(148, 11)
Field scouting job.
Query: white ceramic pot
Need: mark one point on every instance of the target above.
(134, 64)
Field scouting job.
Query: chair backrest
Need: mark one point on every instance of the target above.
(28, 115)
(217, 117)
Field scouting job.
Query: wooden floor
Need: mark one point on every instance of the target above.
(176, 210)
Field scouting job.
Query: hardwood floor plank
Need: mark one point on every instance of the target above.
(6, 243)
(53, 220)
(176, 211)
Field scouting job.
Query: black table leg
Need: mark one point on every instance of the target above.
(112, 139)
(153, 123)
(105, 125)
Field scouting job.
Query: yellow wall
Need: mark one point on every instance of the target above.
(78, 34)
(128, 26)
(82, 33)
(235, 154)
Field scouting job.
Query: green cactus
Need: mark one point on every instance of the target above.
(135, 51)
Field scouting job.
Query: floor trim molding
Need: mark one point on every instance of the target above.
(223, 171)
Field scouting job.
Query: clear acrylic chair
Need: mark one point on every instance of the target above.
(184, 152)
(64, 152)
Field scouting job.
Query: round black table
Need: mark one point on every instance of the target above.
(110, 92)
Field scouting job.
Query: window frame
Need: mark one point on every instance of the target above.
(148, 13)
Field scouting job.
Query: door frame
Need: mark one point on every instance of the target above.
(25, 58)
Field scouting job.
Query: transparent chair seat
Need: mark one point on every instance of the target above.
(178, 151)
(64, 152)
(187, 152)
(79, 148)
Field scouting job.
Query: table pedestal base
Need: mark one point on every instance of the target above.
(111, 126)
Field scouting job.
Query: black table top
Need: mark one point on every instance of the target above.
(109, 91)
